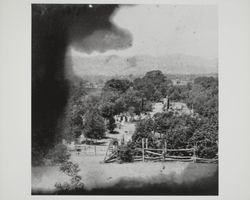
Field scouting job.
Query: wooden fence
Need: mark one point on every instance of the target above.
(90, 150)
(164, 154)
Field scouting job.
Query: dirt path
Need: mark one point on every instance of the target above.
(127, 129)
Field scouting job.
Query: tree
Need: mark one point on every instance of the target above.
(117, 85)
(107, 109)
(157, 95)
(131, 98)
(206, 137)
(153, 86)
(71, 125)
(110, 104)
(206, 82)
(204, 96)
(187, 131)
(94, 126)
(144, 129)
(125, 153)
(111, 124)
(164, 122)
(156, 77)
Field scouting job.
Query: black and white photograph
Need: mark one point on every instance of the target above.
(124, 99)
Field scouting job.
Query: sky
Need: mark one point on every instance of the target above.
(159, 30)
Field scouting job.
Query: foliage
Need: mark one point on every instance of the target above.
(117, 85)
(37, 155)
(71, 170)
(180, 132)
(94, 126)
(59, 154)
(153, 86)
(107, 109)
(178, 93)
(125, 153)
(144, 129)
(111, 124)
(116, 101)
(206, 138)
(204, 96)
(71, 126)
(121, 95)
(132, 98)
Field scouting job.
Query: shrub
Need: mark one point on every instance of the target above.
(59, 154)
(71, 170)
(111, 125)
(94, 126)
(125, 153)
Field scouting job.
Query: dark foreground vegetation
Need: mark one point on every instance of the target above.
(193, 185)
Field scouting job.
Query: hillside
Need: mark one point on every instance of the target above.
(137, 65)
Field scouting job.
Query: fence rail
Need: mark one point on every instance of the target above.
(150, 154)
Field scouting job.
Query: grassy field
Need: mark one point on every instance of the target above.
(169, 177)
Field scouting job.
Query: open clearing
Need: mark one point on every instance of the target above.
(96, 174)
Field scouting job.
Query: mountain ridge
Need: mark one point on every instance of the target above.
(138, 65)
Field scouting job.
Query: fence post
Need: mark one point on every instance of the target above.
(142, 149)
(194, 153)
(165, 145)
(164, 150)
(146, 143)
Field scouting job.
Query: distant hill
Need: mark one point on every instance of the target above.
(138, 65)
